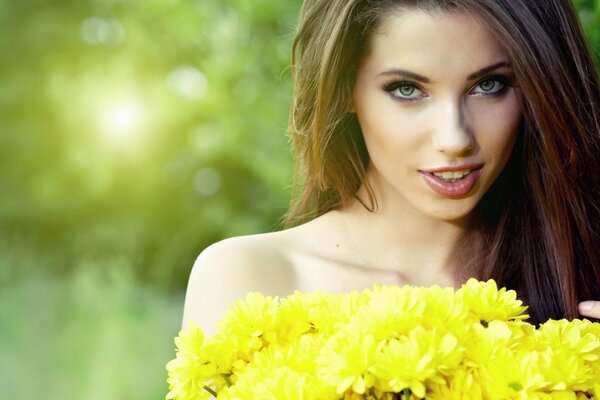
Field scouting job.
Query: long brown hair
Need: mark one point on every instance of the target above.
(539, 224)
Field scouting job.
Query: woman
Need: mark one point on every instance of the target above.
(435, 141)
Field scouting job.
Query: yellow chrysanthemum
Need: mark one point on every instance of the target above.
(567, 354)
(333, 311)
(487, 303)
(460, 386)
(443, 308)
(570, 336)
(273, 384)
(429, 343)
(252, 320)
(410, 362)
(294, 314)
(563, 395)
(189, 372)
(564, 371)
(596, 389)
(300, 356)
(392, 312)
(246, 327)
(513, 375)
(486, 342)
(345, 363)
(303, 353)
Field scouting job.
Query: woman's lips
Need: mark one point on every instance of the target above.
(452, 182)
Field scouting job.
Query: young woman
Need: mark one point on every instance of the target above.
(435, 141)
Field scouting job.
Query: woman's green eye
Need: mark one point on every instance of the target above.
(490, 86)
(487, 85)
(404, 91)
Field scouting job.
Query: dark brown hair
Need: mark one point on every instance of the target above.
(539, 224)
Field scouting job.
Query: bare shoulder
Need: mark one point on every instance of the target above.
(303, 258)
(226, 271)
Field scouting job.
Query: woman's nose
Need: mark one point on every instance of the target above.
(452, 134)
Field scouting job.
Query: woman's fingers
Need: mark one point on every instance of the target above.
(590, 309)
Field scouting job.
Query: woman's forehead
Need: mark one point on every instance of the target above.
(434, 40)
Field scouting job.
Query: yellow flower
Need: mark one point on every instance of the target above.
(246, 327)
(333, 311)
(460, 386)
(487, 303)
(392, 312)
(596, 389)
(299, 356)
(563, 395)
(189, 372)
(429, 343)
(486, 342)
(294, 314)
(443, 308)
(275, 384)
(571, 336)
(285, 383)
(512, 375)
(253, 320)
(567, 354)
(345, 363)
(408, 363)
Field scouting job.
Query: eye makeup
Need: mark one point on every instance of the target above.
(405, 90)
(500, 84)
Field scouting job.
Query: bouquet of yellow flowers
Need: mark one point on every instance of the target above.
(387, 343)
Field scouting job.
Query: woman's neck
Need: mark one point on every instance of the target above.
(422, 250)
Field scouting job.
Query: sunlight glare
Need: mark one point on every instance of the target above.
(121, 120)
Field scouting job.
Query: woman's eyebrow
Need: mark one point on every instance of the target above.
(420, 78)
(405, 73)
(490, 68)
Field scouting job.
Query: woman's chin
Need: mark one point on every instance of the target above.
(458, 213)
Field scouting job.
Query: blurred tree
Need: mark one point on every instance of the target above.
(589, 13)
(143, 128)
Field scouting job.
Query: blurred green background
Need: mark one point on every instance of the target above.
(133, 133)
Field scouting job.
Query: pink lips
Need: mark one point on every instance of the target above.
(452, 190)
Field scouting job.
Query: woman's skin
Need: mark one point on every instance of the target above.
(590, 309)
(435, 94)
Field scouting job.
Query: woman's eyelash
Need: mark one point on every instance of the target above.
(395, 85)
(499, 78)
(502, 80)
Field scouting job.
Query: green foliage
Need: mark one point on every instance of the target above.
(143, 128)
(589, 14)
(98, 334)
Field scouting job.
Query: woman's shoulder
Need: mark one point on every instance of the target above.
(226, 271)
(246, 260)
(255, 251)
(260, 257)
(269, 263)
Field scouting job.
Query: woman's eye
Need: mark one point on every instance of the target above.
(490, 86)
(404, 91)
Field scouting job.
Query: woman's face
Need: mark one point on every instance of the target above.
(438, 110)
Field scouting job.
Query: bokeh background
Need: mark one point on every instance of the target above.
(133, 133)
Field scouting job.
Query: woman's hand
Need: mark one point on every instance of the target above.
(590, 309)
